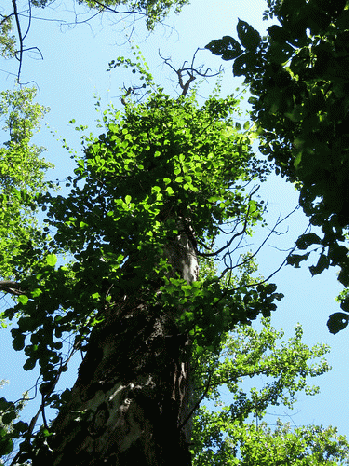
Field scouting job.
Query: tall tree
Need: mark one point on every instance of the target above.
(299, 79)
(149, 196)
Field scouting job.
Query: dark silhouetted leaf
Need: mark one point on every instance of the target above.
(339, 253)
(239, 66)
(18, 340)
(343, 277)
(6, 446)
(337, 322)
(277, 33)
(345, 304)
(323, 263)
(249, 37)
(295, 259)
(228, 47)
(8, 417)
(307, 239)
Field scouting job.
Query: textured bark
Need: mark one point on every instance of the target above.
(131, 401)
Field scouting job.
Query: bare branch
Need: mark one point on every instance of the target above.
(29, 19)
(271, 232)
(191, 71)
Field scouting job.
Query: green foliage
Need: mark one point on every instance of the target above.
(22, 171)
(307, 446)
(299, 79)
(226, 434)
(7, 39)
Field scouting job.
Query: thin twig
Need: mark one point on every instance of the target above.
(215, 253)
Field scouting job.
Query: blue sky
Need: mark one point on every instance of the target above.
(73, 70)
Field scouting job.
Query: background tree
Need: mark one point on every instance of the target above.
(299, 79)
(233, 434)
(22, 173)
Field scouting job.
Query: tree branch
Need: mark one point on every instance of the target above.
(190, 70)
(197, 404)
(12, 287)
(240, 233)
(20, 38)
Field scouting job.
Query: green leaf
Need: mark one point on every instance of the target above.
(4, 405)
(128, 199)
(343, 277)
(20, 427)
(51, 260)
(23, 299)
(277, 33)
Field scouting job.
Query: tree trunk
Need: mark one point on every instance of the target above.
(131, 402)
